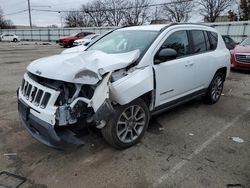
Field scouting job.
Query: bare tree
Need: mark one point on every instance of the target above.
(211, 9)
(178, 10)
(77, 19)
(232, 16)
(96, 11)
(245, 9)
(5, 24)
(137, 12)
(115, 11)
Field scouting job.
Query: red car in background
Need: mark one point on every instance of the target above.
(240, 55)
(68, 41)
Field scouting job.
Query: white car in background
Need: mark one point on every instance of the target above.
(86, 40)
(9, 38)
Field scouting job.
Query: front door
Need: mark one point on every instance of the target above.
(174, 78)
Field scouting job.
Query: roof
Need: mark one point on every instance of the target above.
(159, 27)
(156, 27)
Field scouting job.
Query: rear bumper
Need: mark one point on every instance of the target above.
(39, 129)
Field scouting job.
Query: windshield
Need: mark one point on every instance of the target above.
(246, 42)
(125, 41)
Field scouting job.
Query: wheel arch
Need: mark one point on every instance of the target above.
(222, 70)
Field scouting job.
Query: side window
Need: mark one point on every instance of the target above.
(213, 37)
(179, 42)
(199, 43)
(208, 45)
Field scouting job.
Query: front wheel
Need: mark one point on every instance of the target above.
(14, 40)
(215, 89)
(128, 125)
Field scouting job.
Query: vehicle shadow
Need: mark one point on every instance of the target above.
(243, 71)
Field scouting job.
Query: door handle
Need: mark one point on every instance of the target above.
(189, 64)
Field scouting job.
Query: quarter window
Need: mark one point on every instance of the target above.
(199, 43)
(179, 42)
(213, 40)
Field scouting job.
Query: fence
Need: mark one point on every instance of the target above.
(51, 34)
(237, 30)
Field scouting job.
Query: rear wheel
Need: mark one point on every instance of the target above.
(215, 89)
(128, 125)
(14, 40)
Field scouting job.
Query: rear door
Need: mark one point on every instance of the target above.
(203, 54)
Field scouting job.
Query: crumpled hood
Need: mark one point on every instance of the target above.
(86, 67)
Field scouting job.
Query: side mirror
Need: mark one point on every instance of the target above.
(166, 54)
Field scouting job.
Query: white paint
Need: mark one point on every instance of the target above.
(238, 140)
(65, 67)
(179, 165)
(9, 37)
(86, 40)
(101, 93)
(191, 134)
(76, 49)
(132, 86)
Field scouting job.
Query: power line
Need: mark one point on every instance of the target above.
(124, 8)
(17, 12)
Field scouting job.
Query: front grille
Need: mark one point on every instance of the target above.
(35, 95)
(242, 58)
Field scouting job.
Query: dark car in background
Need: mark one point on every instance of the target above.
(240, 55)
(230, 43)
(68, 41)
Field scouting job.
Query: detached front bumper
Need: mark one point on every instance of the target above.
(40, 130)
(43, 131)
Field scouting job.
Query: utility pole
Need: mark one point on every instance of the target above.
(29, 14)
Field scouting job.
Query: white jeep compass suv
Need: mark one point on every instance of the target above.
(120, 80)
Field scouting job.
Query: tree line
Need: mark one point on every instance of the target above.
(137, 12)
(5, 23)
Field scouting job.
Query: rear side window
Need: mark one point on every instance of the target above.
(208, 44)
(199, 43)
(213, 37)
(179, 42)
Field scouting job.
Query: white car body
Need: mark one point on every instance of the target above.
(9, 38)
(86, 40)
(75, 49)
(117, 80)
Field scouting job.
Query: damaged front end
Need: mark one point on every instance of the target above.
(51, 108)
(91, 103)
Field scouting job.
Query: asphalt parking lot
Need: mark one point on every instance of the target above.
(190, 146)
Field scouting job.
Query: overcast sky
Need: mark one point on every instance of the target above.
(45, 18)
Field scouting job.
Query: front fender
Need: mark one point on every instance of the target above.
(132, 86)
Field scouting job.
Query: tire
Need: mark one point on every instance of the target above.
(215, 89)
(14, 40)
(130, 128)
(70, 44)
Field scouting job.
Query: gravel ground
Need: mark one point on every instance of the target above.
(189, 146)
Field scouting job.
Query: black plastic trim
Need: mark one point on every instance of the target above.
(178, 102)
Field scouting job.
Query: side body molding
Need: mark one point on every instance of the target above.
(132, 86)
